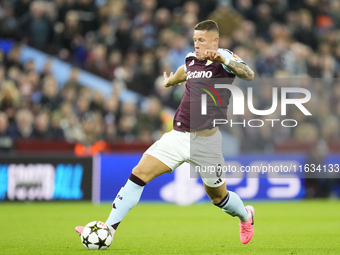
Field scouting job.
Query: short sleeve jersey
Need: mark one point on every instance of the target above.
(201, 77)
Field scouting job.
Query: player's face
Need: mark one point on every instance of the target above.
(204, 40)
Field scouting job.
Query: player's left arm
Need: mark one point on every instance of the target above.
(173, 79)
(241, 70)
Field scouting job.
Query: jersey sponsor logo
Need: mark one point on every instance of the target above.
(192, 63)
(199, 74)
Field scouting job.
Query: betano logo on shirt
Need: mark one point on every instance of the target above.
(199, 74)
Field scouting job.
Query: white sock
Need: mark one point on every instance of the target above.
(126, 199)
(233, 205)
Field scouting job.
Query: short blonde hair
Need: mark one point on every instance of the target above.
(208, 25)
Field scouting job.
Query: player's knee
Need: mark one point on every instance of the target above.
(139, 171)
(216, 199)
(144, 173)
(216, 194)
(149, 168)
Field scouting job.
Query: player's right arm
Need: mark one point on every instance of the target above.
(231, 62)
(173, 79)
(241, 70)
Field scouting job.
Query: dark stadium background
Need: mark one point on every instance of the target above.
(82, 77)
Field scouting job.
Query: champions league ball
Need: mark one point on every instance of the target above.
(96, 236)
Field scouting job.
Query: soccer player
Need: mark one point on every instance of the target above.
(194, 138)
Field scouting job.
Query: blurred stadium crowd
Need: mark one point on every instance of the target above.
(132, 42)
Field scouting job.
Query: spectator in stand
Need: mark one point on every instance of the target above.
(334, 10)
(150, 122)
(330, 130)
(96, 61)
(36, 27)
(21, 7)
(55, 129)
(41, 129)
(180, 49)
(82, 106)
(123, 37)
(246, 9)
(23, 124)
(8, 23)
(263, 20)
(126, 128)
(9, 98)
(64, 8)
(2, 59)
(105, 35)
(305, 32)
(71, 126)
(97, 103)
(227, 19)
(50, 98)
(92, 143)
(6, 135)
(115, 60)
(13, 57)
(69, 92)
(88, 15)
(110, 118)
(144, 79)
(68, 33)
(162, 20)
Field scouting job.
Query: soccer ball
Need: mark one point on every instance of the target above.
(96, 236)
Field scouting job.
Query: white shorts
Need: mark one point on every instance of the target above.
(203, 153)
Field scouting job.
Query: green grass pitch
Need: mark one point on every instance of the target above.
(301, 227)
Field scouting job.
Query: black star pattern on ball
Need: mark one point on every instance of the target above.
(94, 228)
(100, 243)
(86, 241)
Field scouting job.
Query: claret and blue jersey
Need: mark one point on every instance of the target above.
(201, 77)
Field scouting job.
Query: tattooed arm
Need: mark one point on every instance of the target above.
(241, 70)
